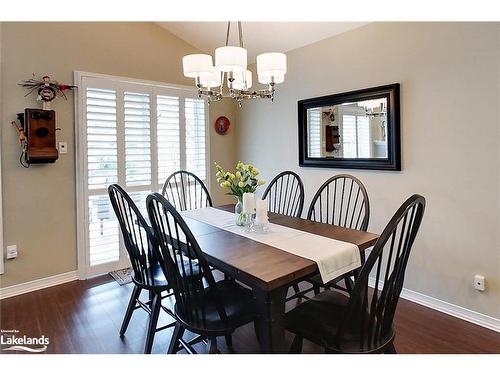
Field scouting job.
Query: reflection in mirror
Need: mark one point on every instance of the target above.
(349, 130)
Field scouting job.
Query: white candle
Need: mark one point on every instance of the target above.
(261, 212)
(248, 203)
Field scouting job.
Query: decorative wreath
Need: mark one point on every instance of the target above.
(46, 89)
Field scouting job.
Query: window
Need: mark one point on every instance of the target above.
(136, 134)
(355, 134)
(314, 122)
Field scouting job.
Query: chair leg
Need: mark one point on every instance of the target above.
(153, 321)
(316, 289)
(212, 346)
(391, 349)
(229, 340)
(130, 309)
(176, 336)
(296, 347)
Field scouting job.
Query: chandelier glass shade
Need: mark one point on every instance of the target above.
(231, 69)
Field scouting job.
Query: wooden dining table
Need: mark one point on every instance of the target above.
(269, 271)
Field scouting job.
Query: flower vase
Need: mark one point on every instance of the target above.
(238, 211)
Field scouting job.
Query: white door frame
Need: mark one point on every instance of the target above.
(83, 268)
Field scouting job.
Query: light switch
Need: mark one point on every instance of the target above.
(63, 147)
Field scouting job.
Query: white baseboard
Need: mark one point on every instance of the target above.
(30, 286)
(447, 308)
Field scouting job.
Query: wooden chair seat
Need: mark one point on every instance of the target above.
(238, 303)
(328, 309)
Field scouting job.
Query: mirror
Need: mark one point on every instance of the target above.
(358, 129)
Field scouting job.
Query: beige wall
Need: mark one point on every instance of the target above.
(39, 202)
(450, 100)
(223, 147)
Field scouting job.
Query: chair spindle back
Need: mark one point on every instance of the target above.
(285, 194)
(342, 200)
(186, 191)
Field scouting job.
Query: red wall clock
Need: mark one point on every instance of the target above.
(222, 125)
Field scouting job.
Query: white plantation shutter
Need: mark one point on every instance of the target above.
(168, 135)
(355, 136)
(102, 164)
(102, 152)
(363, 129)
(137, 139)
(104, 240)
(349, 136)
(136, 135)
(195, 137)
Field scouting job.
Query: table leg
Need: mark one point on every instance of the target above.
(269, 324)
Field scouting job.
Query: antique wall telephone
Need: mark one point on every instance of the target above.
(37, 129)
(37, 136)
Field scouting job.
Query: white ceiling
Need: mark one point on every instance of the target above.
(258, 37)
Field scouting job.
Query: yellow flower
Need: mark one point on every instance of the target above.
(238, 175)
(261, 182)
(226, 184)
(255, 171)
(241, 184)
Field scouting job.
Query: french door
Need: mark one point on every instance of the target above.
(135, 134)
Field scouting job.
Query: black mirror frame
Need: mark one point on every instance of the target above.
(392, 163)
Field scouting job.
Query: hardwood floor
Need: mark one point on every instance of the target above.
(85, 317)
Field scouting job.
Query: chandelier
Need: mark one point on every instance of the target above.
(231, 64)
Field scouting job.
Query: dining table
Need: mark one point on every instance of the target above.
(267, 270)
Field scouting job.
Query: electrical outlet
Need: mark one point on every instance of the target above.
(11, 251)
(479, 282)
(63, 147)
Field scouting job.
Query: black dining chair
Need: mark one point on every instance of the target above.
(147, 273)
(208, 308)
(343, 201)
(363, 321)
(186, 191)
(285, 194)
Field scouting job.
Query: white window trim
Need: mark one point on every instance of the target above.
(81, 163)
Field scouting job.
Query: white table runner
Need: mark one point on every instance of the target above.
(334, 258)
